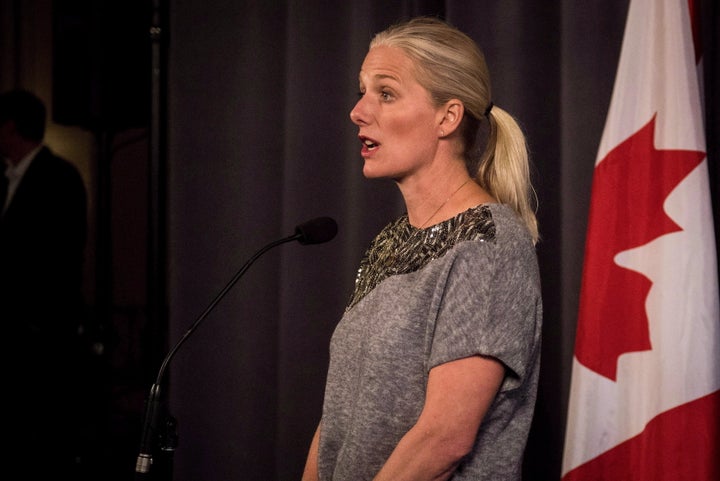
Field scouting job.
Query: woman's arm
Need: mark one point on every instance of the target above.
(310, 473)
(459, 394)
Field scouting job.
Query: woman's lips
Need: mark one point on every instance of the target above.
(368, 146)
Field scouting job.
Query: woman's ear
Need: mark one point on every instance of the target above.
(451, 116)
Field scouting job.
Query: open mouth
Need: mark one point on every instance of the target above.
(369, 143)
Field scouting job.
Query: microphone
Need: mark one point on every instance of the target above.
(314, 231)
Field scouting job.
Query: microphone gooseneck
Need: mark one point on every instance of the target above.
(314, 231)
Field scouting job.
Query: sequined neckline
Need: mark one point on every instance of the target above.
(401, 248)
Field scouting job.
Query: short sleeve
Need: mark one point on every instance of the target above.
(490, 306)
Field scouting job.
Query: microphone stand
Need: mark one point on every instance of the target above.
(166, 440)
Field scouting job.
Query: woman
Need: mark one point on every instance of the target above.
(434, 365)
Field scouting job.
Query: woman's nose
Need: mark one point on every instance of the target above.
(358, 114)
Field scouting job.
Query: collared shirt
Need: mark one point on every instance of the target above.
(15, 173)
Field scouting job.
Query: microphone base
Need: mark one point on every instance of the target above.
(143, 463)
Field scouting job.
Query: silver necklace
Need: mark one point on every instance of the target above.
(394, 254)
(424, 224)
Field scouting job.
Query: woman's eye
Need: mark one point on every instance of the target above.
(385, 95)
(360, 94)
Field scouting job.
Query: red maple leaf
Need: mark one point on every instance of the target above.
(626, 211)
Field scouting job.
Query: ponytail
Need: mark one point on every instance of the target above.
(504, 168)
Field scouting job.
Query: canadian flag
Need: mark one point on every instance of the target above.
(645, 388)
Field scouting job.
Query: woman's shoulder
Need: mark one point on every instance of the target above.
(508, 225)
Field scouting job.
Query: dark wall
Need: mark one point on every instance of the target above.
(101, 63)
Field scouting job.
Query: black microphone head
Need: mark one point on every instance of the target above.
(316, 231)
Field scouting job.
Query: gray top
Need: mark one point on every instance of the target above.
(467, 286)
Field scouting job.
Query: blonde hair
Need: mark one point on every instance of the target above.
(450, 65)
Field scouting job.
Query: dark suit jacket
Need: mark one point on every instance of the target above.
(42, 242)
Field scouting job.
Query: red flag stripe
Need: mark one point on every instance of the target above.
(682, 444)
(694, 6)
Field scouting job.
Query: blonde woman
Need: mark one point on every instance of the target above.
(434, 365)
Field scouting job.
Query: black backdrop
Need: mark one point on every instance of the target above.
(259, 140)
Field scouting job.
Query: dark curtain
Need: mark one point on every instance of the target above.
(259, 140)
